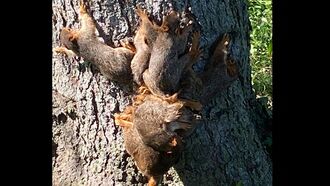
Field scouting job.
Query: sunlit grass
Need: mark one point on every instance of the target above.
(260, 13)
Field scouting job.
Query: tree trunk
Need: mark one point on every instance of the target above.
(88, 148)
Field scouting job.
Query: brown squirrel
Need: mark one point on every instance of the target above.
(220, 72)
(168, 58)
(153, 128)
(113, 63)
(143, 41)
(150, 162)
(160, 121)
(145, 37)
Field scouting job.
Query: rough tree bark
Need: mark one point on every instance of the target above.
(88, 149)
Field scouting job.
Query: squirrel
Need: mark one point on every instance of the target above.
(150, 162)
(220, 72)
(144, 37)
(153, 129)
(113, 63)
(160, 121)
(168, 58)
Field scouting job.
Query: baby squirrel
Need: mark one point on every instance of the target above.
(160, 121)
(152, 163)
(168, 58)
(220, 72)
(113, 63)
(153, 129)
(143, 41)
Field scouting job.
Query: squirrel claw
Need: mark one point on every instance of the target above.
(225, 40)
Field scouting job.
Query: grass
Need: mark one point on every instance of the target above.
(260, 13)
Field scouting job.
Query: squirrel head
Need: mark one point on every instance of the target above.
(160, 121)
(68, 38)
(171, 22)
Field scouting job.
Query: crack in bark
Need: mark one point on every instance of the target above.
(96, 118)
(122, 8)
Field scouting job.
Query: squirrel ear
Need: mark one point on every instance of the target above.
(68, 38)
(73, 36)
(173, 112)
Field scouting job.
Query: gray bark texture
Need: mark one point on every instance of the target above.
(88, 149)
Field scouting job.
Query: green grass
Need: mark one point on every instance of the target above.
(260, 13)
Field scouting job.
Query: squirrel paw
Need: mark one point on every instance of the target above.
(195, 51)
(121, 120)
(142, 13)
(173, 142)
(63, 50)
(231, 67)
(82, 8)
(125, 119)
(60, 50)
(171, 99)
(126, 44)
(225, 41)
(143, 90)
(194, 105)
